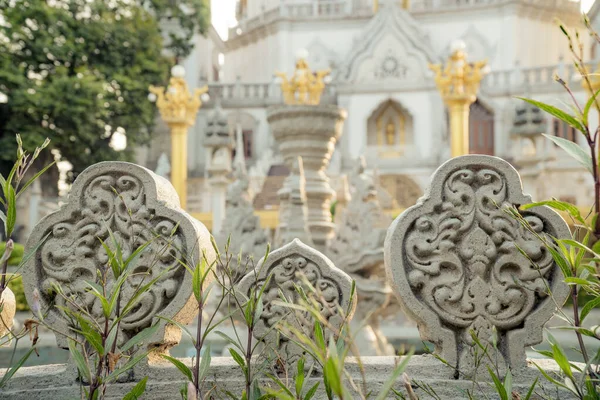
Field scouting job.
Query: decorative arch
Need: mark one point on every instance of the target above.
(391, 47)
(390, 128)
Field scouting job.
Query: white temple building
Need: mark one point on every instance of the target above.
(379, 53)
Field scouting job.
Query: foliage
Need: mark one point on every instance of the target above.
(578, 257)
(11, 187)
(103, 54)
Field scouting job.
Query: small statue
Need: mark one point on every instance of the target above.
(390, 133)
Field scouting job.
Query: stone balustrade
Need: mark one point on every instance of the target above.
(459, 265)
(516, 81)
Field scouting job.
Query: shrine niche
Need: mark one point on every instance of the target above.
(389, 129)
(481, 129)
(247, 124)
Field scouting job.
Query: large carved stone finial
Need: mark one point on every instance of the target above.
(290, 266)
(136, 205)
(455, 262)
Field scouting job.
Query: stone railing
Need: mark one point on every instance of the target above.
(458, 263)
(260, 94)
(302, 10)
(533, 79)
(449, 5)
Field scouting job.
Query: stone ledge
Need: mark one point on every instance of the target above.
(165, 381)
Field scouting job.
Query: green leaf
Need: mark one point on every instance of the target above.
(11, 212)
(531, 389)
(128, 366)
(282, 385)
(572, 210)
(137, 391)
(387, 386)
(35, 177)
(499, 386)
(92, 336)
(140, 337)
(560, 357)
(574, 150)
(319, 338)
(311, 392)
(238, 359)
(589, 306)
(508, 384)
(15, 368)
(197, 282)
(588, 106)
(300, 377)
(557, 112)
(79, 360)
(204, 364)
(180, 366)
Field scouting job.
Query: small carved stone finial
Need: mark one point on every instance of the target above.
(289, 266)
(294, 219)
(455, 262)
(137, 206)
(240, 223)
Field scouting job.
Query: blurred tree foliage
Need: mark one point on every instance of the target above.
(78, 71)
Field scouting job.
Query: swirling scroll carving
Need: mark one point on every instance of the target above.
(290, 266)
(135, 206)
(457, 264)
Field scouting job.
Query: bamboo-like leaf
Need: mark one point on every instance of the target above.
(556, 112)
(574, 150)
(9, 374)
(238, 359)
(588, 307)
(508, 384)
(572, 210)
(588, 106)
(387, 386)
(312, 391)
(560, 357)
(300, 377)
(499, 387)
(35, 177)
(79, 360)
(128, 366)
(204, 364)
(137, 391)
(196, 282)
(91, 335)
(531, 389)
(11, 211)
(140, 337)
(185, 370)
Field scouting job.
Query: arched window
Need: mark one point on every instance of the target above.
(389, 128)
(481, 130)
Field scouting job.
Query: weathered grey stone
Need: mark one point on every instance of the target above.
(137, 206)
(240, 224)
(357, 249)
(455, 264)
(165, 381)
(311, 133)
(293, 212)
(292, 266)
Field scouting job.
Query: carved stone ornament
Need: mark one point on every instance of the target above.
(137, 206)
(455, 264)
(289, 266)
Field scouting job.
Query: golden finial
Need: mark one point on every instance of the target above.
(458, 83)
(459, 80)
(304, 86)
(177, 105)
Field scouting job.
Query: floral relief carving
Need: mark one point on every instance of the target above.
(290, 266)
(136, 206)
(455, 260)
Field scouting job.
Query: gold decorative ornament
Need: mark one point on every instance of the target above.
(304, 86)
(458, 82)
(178, 108)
